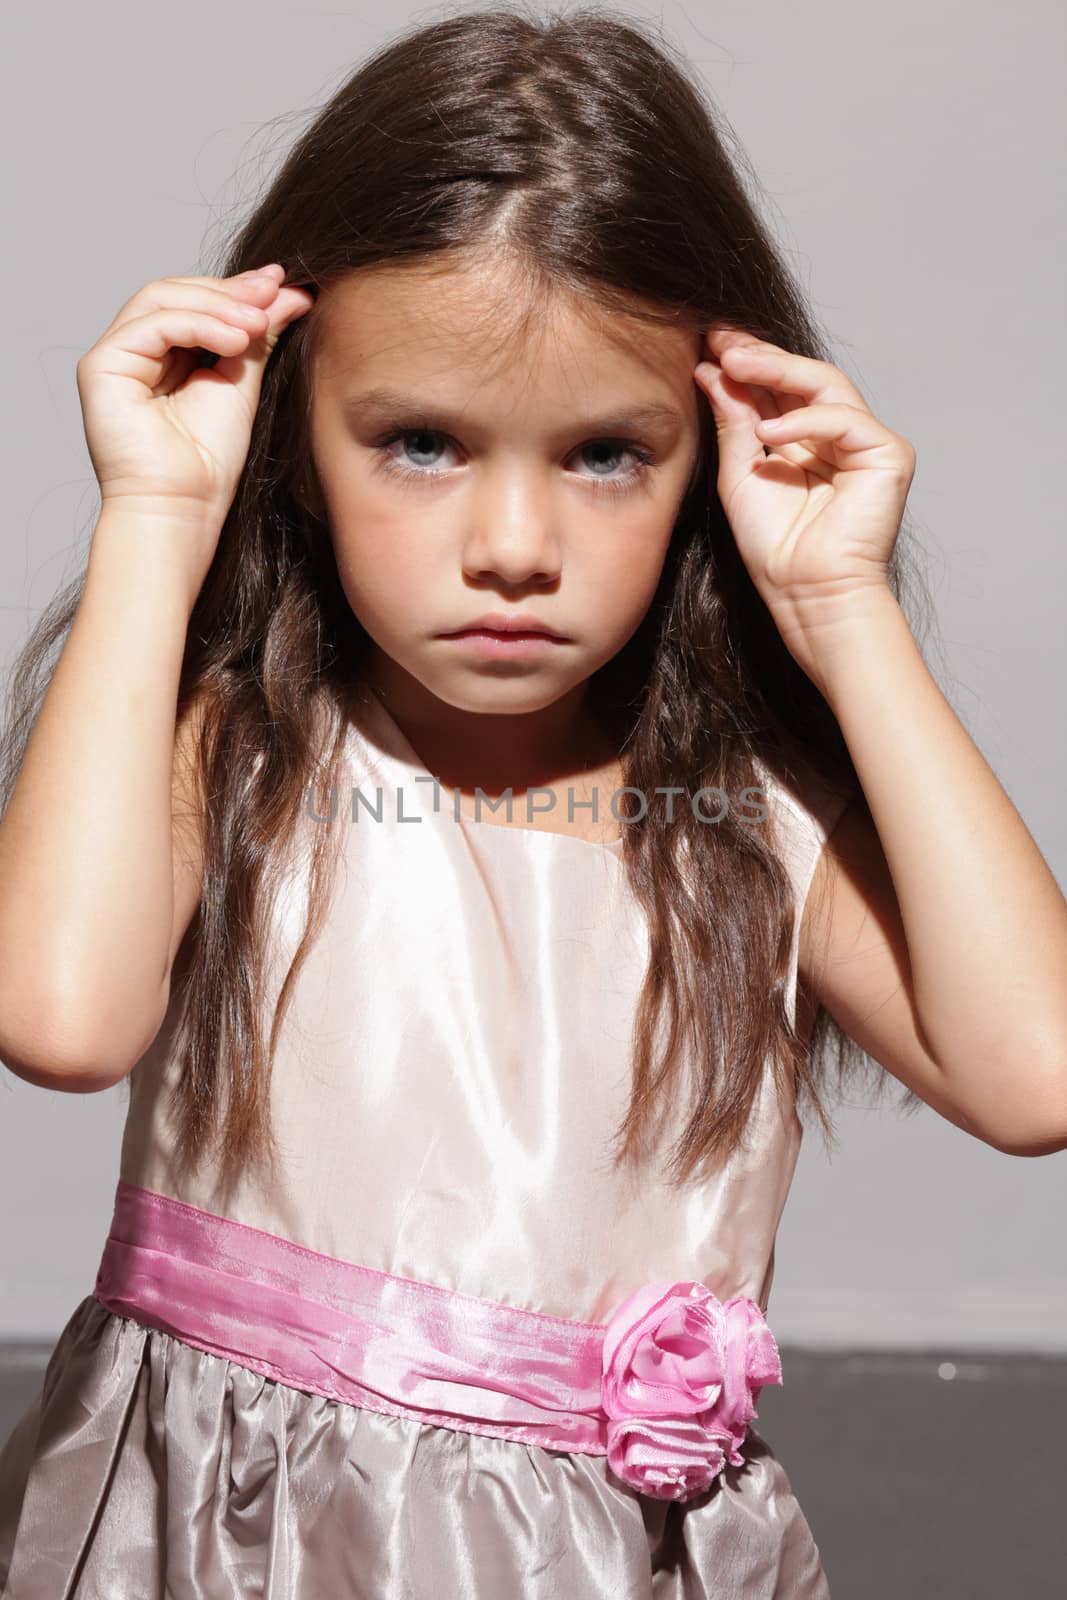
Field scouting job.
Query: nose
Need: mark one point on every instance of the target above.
(512, 533)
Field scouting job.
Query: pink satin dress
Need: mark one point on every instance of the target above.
(449, 1076)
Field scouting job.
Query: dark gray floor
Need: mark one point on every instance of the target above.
(924, 1476)
(918, 1484)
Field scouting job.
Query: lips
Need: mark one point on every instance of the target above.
(504, 633)
(504, 626)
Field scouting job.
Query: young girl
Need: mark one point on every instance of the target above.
(492, 613)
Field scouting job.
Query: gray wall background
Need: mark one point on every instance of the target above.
(910, 159)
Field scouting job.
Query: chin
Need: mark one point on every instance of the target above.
(503, 698)
(500, 690)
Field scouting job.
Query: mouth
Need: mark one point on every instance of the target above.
(504, 642)
(502, 633)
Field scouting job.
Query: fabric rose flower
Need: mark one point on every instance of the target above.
(681, 1374)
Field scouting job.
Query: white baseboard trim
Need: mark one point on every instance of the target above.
(1019, 1316)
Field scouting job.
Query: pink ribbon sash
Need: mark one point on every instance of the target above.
(665, 1389)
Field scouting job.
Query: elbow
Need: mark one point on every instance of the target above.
(1035, 1144)
(1035, 1122)
(46, 1067)
(50, 1074)
(55, 1047)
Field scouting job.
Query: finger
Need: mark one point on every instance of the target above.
(850, 429)
(772, 403)
(770, 406)
(224, 299)
(258, 284)
(742, 354)
(273, 270)
(139, 349)
(273, 275)
(739, 448)
(767, 402)
(764, 403)
(247, 375)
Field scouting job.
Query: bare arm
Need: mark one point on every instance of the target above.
(99, 848)
(942, 944)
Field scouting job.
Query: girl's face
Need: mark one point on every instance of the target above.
(518, 464)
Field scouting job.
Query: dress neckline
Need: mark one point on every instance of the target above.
(380, 728)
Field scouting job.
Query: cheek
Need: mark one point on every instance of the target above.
(619, 581)
(379, 568)
(635, 554)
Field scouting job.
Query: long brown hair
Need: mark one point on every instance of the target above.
(580, 147)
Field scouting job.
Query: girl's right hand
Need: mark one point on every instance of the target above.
(169, 438)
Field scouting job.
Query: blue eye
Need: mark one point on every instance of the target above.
(420, 435)
(615, 448)
(423, 436)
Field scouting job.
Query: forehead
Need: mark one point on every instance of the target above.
(487, 323)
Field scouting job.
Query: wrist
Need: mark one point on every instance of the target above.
(159, 551)
(848, 633)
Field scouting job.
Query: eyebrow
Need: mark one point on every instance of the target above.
(394, 405)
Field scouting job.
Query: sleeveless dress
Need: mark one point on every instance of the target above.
(453, 1065)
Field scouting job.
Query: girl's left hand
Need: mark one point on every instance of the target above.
(816, 519)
